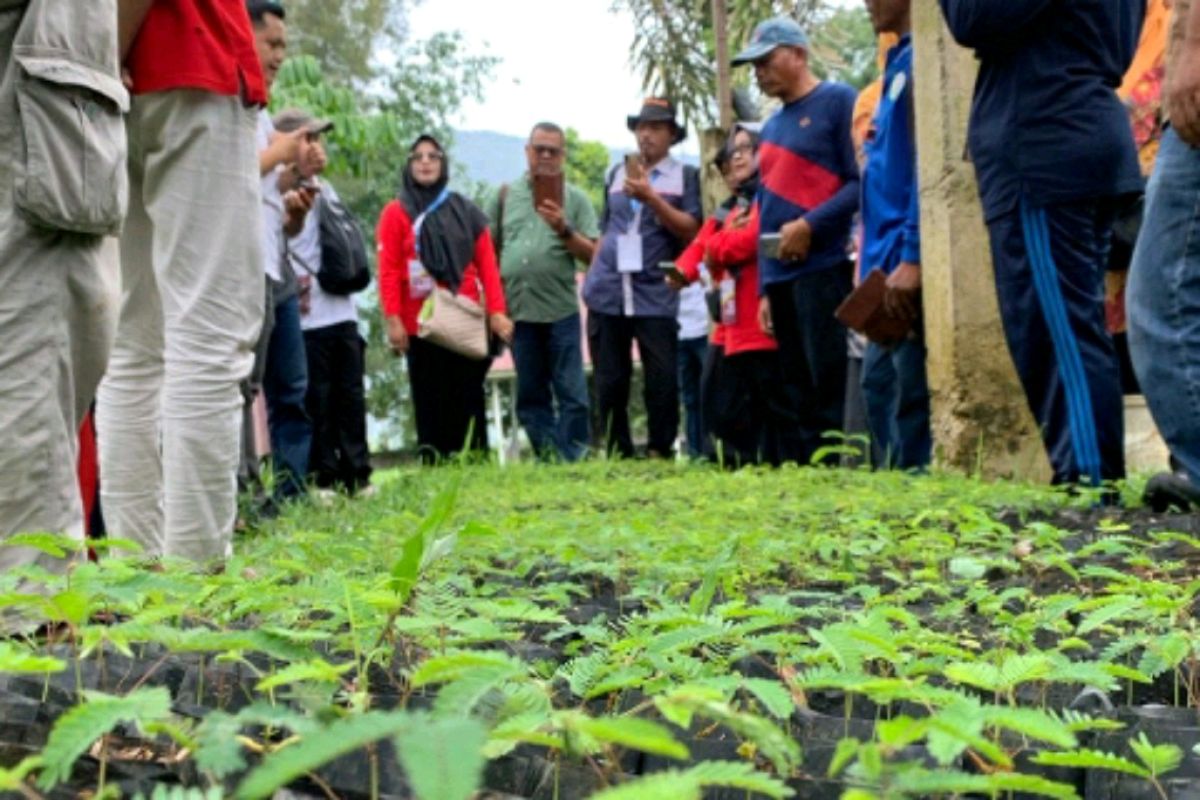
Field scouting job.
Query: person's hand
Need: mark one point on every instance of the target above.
(1183, 93)
(126, 79)
(397, 335)
(287, 148)
(552, 213)
(903, 297)
(710, 260)
(299, 201)
(305, 284)
(796, 240)
(764, 317)
(639, 188)
(502, 326)
(675, 281)
(739, 219)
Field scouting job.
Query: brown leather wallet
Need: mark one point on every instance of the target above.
(864, 311)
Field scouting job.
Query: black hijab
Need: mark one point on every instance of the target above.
(449, 234)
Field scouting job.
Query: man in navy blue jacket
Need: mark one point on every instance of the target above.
(894, 380)
(1053, 149)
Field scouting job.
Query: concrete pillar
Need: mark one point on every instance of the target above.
(981, 422)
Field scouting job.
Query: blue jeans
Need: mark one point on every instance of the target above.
(692, 353)
(549, 358)
(285, 384)
(896, 394)
(1164, 301)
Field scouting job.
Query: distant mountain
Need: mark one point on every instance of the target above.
(496, 158)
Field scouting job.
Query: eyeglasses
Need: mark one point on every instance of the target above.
(546, 151)
(742, 150)
(434, 156)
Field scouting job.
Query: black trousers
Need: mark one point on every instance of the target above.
(337, 405)
(752, 409)
(812, 358)
(610, 339)
(447, 393)
(1050, 264)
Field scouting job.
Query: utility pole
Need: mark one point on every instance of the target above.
(720, 19)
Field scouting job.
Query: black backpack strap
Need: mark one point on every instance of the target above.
(501, 201)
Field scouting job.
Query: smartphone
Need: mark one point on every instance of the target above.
(633, 165)
(548, 187)
(670, 270)
(768, 244)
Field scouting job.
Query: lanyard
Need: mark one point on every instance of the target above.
(441, 199)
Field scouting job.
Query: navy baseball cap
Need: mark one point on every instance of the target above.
(775, 32)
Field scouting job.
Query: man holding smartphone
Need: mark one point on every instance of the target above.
(807, 200)
(652, 211)
(544, 228)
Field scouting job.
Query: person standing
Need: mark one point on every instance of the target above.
(169, 408)
(651, 211)
(539, 250)
(334, 349)
(286, 204)
(693, 353)
(1053, 151)
(58, 270)
(894, 381)
(1163, 299)
(429, 238)
(808, 197)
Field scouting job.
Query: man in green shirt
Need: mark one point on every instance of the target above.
(540, 248)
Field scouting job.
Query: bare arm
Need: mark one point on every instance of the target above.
(679, 222)
(130, 15)
(1183, 83)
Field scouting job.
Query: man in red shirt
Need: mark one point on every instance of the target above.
(169, 413)
(60, 92)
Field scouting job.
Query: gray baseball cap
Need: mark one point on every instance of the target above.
(291, 119)
(776, 32)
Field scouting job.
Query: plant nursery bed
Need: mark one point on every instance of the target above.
(626, 630)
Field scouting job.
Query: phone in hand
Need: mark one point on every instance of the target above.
(768, 244)
(633, 166)
(671, 271)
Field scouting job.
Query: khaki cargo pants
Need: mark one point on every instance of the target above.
(62, 192)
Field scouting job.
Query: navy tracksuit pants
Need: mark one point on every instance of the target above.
(1050, 263)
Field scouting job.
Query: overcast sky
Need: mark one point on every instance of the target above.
(567, 61)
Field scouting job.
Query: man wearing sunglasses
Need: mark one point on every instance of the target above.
(544, 228)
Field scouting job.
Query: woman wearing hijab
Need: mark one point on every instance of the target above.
(432, 237)
(744, 403)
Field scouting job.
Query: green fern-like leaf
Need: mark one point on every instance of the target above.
(1033, 723)
(13, 780)
(342, 737)
(1091, 759)
(689, 784)
(773, 696)
(181, 793)
(443, 758)
(17, 659)
(1159, 759)
(631, 732)
(75, 730)
(218, 751)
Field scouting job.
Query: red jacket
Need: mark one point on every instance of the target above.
(394, 238)
(689, 262)
(730, 250)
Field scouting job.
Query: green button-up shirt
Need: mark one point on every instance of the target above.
(537, 269)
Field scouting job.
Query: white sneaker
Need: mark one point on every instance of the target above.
(325, 497)
(368, 491)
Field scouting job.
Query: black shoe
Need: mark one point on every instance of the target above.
(1170, 491)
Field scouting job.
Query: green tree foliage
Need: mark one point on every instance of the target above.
(674, 46)
(587, 163)
(346, 36)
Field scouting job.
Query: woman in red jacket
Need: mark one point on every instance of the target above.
(428, 237)
(749, 414)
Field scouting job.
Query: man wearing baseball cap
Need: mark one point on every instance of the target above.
(808, 197)
(651, 212)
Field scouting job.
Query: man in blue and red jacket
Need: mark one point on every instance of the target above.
(1053, 150)
(809, 194)
(894, 379)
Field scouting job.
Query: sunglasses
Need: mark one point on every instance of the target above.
(435, 156)
(546, 151)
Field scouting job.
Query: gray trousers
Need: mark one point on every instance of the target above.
(58, 302)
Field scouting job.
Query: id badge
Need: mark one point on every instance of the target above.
(728, 301)
(420, 282)
(629, 253)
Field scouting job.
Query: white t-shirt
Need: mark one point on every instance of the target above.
(272, 205)
(693, 310)
(304, 250)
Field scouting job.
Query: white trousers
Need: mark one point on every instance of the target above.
(169, 413)
(58, 302)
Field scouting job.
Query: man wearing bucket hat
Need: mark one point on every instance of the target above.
(807, 198)
(652, 211)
